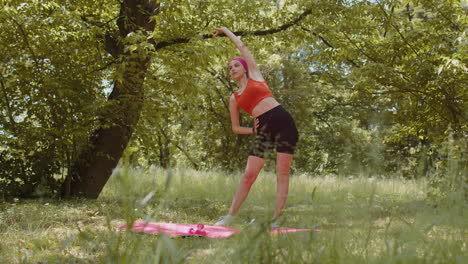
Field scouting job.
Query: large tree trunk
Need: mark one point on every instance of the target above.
(119, 117)
(94, 166)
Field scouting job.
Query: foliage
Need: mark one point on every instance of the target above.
(52, 74)
(449, 183)
(372, 85)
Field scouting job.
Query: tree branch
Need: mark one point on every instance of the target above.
(397, 29)
(106, 66)
(184, 151)
(182, 40)
(360, 49)
(39, 70)
(454, 25)
(28, 45)
(8, 105)
(329, 45)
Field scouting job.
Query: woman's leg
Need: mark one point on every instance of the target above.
(254, 166)
(283, 164)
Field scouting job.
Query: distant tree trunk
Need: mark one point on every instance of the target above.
(164, 152)
(120, 116)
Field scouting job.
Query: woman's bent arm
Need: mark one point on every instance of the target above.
(234, 110)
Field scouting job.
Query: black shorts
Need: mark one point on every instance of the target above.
(276, 130)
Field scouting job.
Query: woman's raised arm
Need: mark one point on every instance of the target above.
(254, 72)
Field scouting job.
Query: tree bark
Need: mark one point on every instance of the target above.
(119, 116)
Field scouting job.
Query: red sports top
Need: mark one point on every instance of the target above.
(253, 93)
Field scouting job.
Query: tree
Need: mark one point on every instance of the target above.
(94, 166)
(131, 42)
(78, 76)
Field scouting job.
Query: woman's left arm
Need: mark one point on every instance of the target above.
(235, 124)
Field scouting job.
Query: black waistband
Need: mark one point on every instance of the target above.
(270, 112)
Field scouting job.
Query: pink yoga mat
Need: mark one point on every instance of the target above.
(180, 230)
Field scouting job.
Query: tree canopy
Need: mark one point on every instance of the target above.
(374, 86)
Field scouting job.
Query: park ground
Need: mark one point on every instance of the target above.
(362, 220)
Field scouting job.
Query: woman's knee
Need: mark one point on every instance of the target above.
(249, 178)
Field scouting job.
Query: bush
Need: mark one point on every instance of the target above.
(449, 181)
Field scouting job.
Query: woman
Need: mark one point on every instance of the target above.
(274, 127)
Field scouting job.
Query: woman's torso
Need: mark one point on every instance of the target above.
(265, 102)
(264, 106)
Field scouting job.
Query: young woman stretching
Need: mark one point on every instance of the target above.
(274, 127)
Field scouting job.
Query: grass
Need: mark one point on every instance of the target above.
(363, 220)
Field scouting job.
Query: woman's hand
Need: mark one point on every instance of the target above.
(219, 31)
(256, 125)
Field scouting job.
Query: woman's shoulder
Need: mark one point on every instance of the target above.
(261, 80)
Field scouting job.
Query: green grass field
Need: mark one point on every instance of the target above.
(363, 220)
